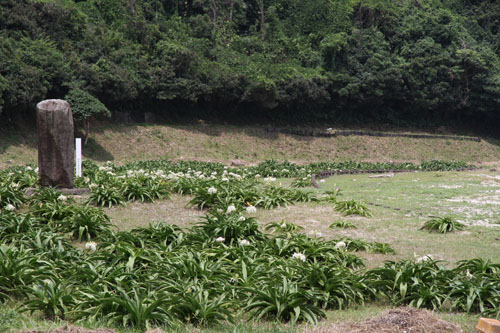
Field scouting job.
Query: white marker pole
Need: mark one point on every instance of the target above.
(78, 157)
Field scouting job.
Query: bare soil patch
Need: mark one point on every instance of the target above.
(398, 320)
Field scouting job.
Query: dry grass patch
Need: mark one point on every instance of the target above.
(128, 142)
(172, 211)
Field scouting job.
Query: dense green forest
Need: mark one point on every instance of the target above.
(402, 61)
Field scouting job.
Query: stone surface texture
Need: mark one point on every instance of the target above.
(56, 149)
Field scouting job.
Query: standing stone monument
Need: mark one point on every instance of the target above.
(56, 150)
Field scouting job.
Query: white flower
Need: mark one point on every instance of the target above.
(425, 258)
(340, 245)
(62, 198)
(91, 246)
(212, 190)
(285, 170)
(86, 180)
(283, 225)
(215, 219)
(257, 176)
(242, 218)
(269, 179)
(230, 209)
(244, 242)
(10, 208)
(220, 239)
(28, 168)
(225, 179)
(47, 281)
(468, 274)
(219, 210)
(36, 169)
(315, 233)
(251, 210)
(15, 185)
(299, 256)
(322, 181)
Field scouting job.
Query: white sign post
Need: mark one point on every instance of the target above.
(78, 157)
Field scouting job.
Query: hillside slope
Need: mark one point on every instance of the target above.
(122, 143)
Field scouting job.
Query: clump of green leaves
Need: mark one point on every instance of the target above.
(302, 182)
(11, 195)
(105, 196)
(443, 225)
(352, 207)
(86, 222)
(342, 225)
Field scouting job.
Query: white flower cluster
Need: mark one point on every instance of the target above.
(10, 208)
(230, 209)
(212, 190)
(62, 198)
(91, 246)
(270, 179)
(424, 258)
(340, 245)
(220, 239)
(244, 242)
(299, 256)
(226, 175)
(251, 210)
(105, 168)
(315, 233)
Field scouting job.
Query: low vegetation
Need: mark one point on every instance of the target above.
(221, 269)
(443, 225)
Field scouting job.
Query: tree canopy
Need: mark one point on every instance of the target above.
(385, 60)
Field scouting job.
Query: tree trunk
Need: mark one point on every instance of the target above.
(86, 125)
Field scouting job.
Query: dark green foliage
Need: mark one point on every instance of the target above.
(86, 222)
(415, 62)
(85, 107)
